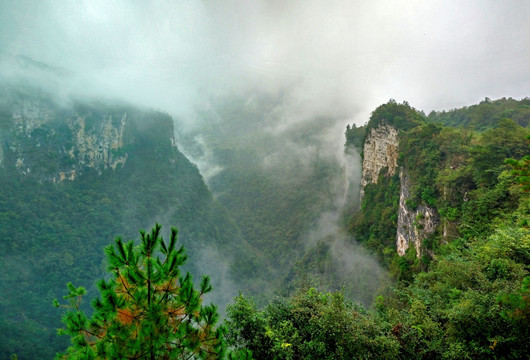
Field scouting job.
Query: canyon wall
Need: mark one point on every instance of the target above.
(57, 144)
(380, 151)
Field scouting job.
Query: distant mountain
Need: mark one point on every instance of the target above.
(72, 178)
(485, 115)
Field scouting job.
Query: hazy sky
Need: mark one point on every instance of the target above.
(340, 58)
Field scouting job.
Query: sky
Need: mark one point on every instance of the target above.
(332, 58)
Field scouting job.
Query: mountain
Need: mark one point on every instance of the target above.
(436, 204)
(286, 181)
(486, 114)
(75, 175)
(422, 181)
(448, 215)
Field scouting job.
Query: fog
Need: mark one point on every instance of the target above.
(334, 58)
(293, 72)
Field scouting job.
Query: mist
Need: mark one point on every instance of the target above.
(339, 59)
(280, 79)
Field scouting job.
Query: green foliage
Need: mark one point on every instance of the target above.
(485, 205)
(411, 204)
(147, 310)
(355, 136)
(517, 305)
(51, 229)
(453, 311)
(420, 155)
(401, 116)
(470, 187)
(521, 170)
(310, 325)
(507, 140)
(247, 328)
(471, 299)
(485, 115)
(375, 226)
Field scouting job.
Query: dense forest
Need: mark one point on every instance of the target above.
(466, 294)
(54, 228)
(461, 289)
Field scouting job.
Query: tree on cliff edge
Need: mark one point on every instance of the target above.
(147, 310)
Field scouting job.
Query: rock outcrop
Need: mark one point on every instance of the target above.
(414, 225)
(380, 150)
(98, 148)
(55, 144)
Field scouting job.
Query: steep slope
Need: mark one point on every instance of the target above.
(421, 180)
(382, 187)
(73, 177)
(275, 179)
(380, 151)
(466, 297)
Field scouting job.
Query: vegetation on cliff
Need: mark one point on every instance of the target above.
(456, 171)
(465, 297)
(52, 229)
(485, 115)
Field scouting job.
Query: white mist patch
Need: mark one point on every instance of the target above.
(213, 263)
(198, 152)
(352, 268)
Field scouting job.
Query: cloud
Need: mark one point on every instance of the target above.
(332, 57)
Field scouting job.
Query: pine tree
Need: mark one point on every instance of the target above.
(147, 310)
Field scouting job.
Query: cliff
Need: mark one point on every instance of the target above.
(424, 183)
(410, 224)
(57, 144)
(413, 225)
(74, 176)
(380, 150)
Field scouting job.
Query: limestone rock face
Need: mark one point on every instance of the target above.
(97, 148)
(380, 150)
(413, 225)
(31, 116)
(56, 144)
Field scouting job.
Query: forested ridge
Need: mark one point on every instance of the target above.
(465, 295)
(53, 233)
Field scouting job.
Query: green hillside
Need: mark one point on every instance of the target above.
(53, 230)
(465, 297)
(76, 175)
(486, 114)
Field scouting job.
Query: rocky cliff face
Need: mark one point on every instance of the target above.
(380, 150)
(414, 225)
(99, 147)
(56, 144)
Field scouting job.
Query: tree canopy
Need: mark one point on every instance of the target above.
(147, 310)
